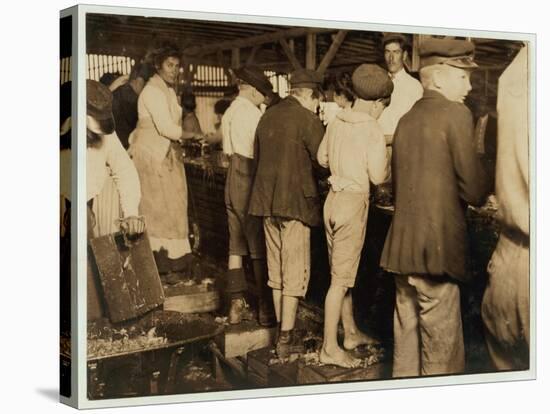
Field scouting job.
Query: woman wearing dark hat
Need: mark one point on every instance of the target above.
(162, 175)
(106, 157)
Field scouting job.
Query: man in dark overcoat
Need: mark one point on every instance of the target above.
(285, 194)
(436, 173)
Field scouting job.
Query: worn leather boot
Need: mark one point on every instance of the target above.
(289, 343)
(238, 311)
(170, 278)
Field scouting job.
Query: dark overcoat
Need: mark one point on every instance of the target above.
(436, 173)
(287, 139)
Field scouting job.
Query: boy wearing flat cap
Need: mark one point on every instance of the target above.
(354, 148)
(105, 156)
(285, 194)
(436, 173)
(246, 235)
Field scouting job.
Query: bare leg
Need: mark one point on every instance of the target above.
(277, 302)
(353, 337)
(288, 315)
(331, 353)
(235, 262)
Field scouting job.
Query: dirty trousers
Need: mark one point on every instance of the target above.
(505, 306)
(288, 255)
(427, 327)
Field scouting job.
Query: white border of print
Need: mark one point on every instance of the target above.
(303, 389)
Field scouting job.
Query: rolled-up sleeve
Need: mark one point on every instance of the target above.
(157, 106)
(124, 174)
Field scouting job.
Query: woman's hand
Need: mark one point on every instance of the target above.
(132, 225)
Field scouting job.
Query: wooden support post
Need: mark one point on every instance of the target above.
(290, 55)
(333, 49)
(311, 51)
(235, 58)
(415, 58)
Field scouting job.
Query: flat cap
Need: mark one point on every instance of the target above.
(394, 37)
(99, 105)
(254, 77)
(371, 82)
(306, 78)
(453, 52)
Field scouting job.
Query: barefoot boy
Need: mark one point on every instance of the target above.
(354, 148)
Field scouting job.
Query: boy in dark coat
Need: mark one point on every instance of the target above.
(436, 173)
(285, 194)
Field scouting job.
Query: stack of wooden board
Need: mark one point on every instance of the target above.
(191, 297)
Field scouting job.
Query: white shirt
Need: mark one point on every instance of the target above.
(512, 171)
(111, 158)
(406, 91)
(239, 127)
(355, 150)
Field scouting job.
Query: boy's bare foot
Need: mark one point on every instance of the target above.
(338, 357)
(353, 340)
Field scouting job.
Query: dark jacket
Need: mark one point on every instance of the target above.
(436, 173)
(125, 112)
(287, 139)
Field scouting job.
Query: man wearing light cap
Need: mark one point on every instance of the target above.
(285, 194)
(354, 148)
(407, 90)
(436, 173)
(105, 155)
(246, 234)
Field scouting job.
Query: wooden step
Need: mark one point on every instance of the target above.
(283, 375)
(241, 339)
(258, 365)
(264, 369)
(321, 374)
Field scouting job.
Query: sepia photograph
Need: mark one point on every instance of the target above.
(271, 205)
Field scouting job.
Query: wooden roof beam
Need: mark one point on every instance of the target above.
(255, 40)
(333, 49)
(290, 54)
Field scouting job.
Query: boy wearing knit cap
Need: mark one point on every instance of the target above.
(436, 173)
(354, 148)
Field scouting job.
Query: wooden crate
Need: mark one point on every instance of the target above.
(321, 374)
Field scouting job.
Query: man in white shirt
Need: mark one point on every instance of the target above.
(246, 235)
(406, 89)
